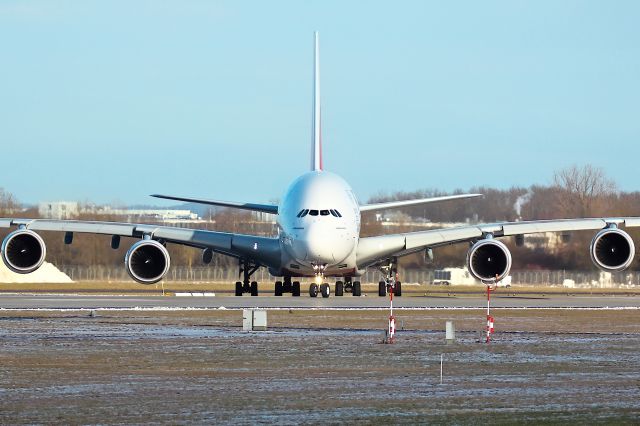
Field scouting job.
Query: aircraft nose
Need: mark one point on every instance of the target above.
(318, 244)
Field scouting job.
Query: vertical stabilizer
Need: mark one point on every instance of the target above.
(316, 131)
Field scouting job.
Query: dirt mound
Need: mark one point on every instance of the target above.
(47, 273)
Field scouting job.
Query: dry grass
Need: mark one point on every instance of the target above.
(547, 366)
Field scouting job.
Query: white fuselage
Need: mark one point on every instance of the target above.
(319, 226)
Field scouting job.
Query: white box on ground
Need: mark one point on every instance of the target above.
(450, 333)
(254, 320)
(259, 320)
(247, 319)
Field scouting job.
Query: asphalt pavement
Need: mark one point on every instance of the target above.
(48, 301)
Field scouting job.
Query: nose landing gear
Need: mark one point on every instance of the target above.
(323, 289)
(319, 285)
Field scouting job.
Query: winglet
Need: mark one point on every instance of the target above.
(316, 131)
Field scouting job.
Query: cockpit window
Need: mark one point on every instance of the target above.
(336, 213)
(303, 212)
(313, 212)
(324, 212)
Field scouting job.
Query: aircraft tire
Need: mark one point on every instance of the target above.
(382, 288)
(238, 288)
(278, 291)
(295, 289)
(339, 288)
(254, 288)
(398, 290)
(313, 290)
(325, 290)
(356, 291)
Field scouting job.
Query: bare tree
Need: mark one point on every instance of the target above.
(8, 203)
(583, 189)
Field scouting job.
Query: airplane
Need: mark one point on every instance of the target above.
(318, 223)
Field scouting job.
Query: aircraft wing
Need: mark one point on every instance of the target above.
(409, 203)
(265, 208)
(262, 250)
(374, 249)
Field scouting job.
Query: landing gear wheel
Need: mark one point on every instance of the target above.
(339, 288)
(398, 290)
(325, 290)
(278, 291)
(286, 285)
(254, 288)
(295, 288)
(313, 290)
(382, 288)
(238, 288)
(356, 289)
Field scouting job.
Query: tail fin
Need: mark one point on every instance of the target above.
(316, 131)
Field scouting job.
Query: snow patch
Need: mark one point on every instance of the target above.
(47, 273)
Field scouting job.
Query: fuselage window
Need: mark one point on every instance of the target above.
(324, 212)
(313, 212)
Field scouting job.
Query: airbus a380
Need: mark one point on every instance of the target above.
(318, 236)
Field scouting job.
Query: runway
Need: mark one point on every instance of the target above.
(48, 301)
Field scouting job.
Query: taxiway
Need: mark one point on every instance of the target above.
(58, 301)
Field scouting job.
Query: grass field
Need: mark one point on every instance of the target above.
(320, 367)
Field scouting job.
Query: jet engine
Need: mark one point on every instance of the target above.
(23, 251)
(147, 261)
(612, 250)
(489, 260)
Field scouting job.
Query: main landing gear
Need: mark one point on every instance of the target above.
(391, 282)
(287, 287)
(247, 268)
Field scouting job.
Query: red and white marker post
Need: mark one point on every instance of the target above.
(489, 317)
(392, 321)
(391, 331)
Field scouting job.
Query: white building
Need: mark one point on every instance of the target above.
(58, 209)
(71, 209)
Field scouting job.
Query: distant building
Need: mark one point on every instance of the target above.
(156, 214)
(71, 210)
(58, 209)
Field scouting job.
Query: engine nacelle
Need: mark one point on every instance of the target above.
(23, 251)
(612, 250)
(147, 261)
(489, 260)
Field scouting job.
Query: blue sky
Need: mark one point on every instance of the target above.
(110, 101)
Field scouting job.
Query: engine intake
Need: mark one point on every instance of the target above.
(489, 260)
(147, 261)
(612, 250)
(23, 251)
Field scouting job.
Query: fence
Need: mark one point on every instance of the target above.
(415, 276)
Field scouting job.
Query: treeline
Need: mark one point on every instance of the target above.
(575, 192)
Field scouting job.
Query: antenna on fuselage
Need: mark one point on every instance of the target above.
(316, 131)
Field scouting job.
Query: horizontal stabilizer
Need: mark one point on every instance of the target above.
(409, 203)
(265, 208)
